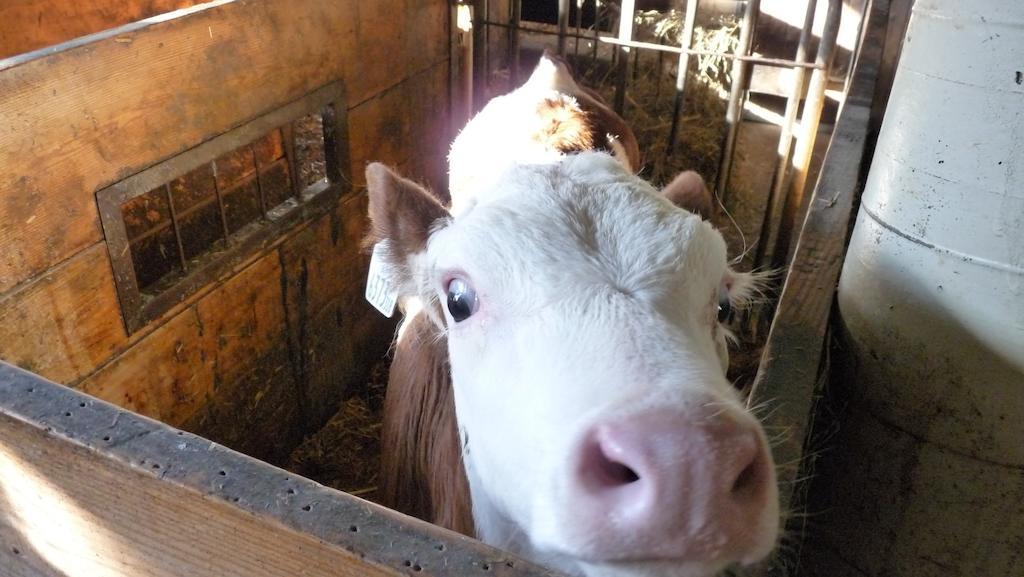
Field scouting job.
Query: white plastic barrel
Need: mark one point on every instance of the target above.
(929, 473)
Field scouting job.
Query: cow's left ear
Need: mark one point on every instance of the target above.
(402, 214)
(552, 74)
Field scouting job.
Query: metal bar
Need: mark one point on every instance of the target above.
(517, 16)
(182, 164)
(183, 214)
(119, 248)
(788, 376)
(579, 27)
(661, 68)
(779, 62)
(636, 65)
(626, 12)
(563, 25)
(480, 54)
(781, 176)
(597, 32)
(288, 136)
(684, 65)
(464, 38)
(220, 198)
(177, 229)
(808, 130)
(456, 72)
(737, 96)
(259, 188)
(110, 200)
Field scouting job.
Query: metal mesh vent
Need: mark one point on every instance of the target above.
(183, 223)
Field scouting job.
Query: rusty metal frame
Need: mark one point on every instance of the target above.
(137, 308)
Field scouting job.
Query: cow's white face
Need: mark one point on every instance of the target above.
(601, 435)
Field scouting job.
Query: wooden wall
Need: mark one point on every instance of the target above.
(275, 345)
(34, 24)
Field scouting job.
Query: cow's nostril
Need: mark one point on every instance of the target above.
(745, 480)
(619, 474)
(749, 479)
(601, 470)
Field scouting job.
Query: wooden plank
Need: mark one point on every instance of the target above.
(223, 363)
(63, 325)
(244, 316)
(82, 118)
(33, 24)
(399, 125)
(257, 407)
(87, 489)
(334, 337)
(790, 368)
(67, 324)
(167, 375)
(328, 255)
(416, 34)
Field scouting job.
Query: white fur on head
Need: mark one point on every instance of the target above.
(597, 300)
(538, 123)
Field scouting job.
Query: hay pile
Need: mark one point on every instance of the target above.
(345, 453)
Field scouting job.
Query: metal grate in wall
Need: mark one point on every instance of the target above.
(185, 222)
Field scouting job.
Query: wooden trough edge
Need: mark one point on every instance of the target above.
(791, 371)
(102, 459)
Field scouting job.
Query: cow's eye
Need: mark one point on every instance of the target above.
(724, 306)
(462, 301)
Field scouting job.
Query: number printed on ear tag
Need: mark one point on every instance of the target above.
(379, 292)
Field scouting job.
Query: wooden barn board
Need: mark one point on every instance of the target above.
(72, 337)
(34, 24)
(80, 116)
(273, 349)
(65, 323)
(76, 120)
(88, 489)
(81, 341)
(790, 372)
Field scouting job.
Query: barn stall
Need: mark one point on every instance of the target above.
(182, 218)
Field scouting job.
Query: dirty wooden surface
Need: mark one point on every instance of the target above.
(34, 24)
(287, 336)
(82, 118)
(89, 489)
(790, 369)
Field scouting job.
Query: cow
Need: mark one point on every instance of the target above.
(558, 387)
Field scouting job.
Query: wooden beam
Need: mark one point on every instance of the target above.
(34, 24)
(789, 375)
(399, 121)
(91, 113)
(88, 489)
(63, 325)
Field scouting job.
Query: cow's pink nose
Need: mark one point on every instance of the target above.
(667, 485)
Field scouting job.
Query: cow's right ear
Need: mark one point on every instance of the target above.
(688, 191)
(402, 215)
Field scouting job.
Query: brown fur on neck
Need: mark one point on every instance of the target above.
(421, 462)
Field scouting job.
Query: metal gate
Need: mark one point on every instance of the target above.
(616, 47)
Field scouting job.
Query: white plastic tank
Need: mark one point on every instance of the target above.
(928, 476)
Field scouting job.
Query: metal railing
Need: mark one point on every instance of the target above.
(794, 146)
